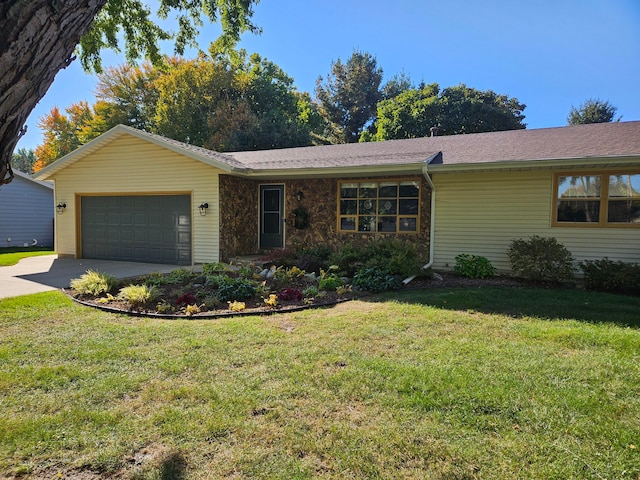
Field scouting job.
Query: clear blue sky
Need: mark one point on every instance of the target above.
(550, 54)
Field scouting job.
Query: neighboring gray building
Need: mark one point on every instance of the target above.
(26, 212)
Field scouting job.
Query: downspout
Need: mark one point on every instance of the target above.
(432, 227)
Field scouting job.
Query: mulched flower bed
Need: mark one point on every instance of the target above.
(174, 298)
(183, 290)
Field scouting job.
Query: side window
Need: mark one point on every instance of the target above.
(597, 199)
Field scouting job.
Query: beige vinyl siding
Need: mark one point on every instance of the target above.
(481, 213)
(129, 165)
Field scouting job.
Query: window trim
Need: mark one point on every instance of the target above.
(397, 216)
(603, 199)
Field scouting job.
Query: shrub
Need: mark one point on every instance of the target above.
(190, 310)
(137, 295)
(236, 306)
(272, 301)
(235, 289)
(540, 258)
(375, 279)
(291, 294)
(313, 259)
(609, 276)
(186, 299)
(311, 291)
(93, 283)
(285, 257)
(155, 279)
(329, 280)
(473, 266)
(180, 275)
(165, 307)
(213, 268)
(396, 256)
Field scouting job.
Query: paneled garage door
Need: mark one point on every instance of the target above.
(150, 228)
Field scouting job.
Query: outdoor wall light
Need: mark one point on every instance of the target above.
(203, 208)
(299, 196)
(60, 207)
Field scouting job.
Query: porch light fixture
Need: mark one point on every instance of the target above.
(60, 208)
(203, 208)
(299, 195)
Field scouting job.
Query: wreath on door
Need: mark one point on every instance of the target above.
(300, 217)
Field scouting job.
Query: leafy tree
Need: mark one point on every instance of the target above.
(23, 160)
(38, 38)
(399, 83)
(349, 96)
(409, 114)
(226, 101)
(592, 110)
(453, 110)
(130, 93)
(467, 110)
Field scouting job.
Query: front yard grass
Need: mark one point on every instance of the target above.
(12, 255)
(491, 383)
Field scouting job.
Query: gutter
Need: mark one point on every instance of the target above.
(432, 223)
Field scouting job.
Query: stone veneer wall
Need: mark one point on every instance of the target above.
(320, 198)
(239, 216)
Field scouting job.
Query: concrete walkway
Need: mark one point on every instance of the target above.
(48, 272)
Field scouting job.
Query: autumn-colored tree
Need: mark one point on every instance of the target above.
(63, 133)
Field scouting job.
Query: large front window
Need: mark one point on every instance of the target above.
(598, 199)
(387, 207)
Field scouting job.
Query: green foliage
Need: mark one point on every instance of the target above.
(213, 268)
(473, 266)
(310, 291)
(375, 279)
(138, 295)
(133, 22)
(93, 283)
(541, 259)
(181, 275)
(23, 160)
(396, 256)
(349, 96)
(592, 110)
(454, 110)
(230, 289)
(329, 279)
(611, 276)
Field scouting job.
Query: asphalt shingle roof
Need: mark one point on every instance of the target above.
(583, 141)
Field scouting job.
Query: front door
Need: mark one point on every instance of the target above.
(271, 216)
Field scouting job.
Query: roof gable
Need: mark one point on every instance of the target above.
(30, 181)
(209, 157)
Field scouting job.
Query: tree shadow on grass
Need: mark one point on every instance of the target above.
(518, 302)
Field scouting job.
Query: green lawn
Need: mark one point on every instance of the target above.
(445, 384)
(12, 255)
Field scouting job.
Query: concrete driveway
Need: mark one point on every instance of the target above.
(48, 272)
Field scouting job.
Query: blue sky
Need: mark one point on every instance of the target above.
(550, 54)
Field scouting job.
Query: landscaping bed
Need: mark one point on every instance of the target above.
(214, 292)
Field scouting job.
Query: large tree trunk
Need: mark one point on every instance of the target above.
(37, 40)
